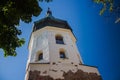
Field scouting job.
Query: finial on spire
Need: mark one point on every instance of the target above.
(49, 13)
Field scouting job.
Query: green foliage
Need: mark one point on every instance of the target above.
(107, 4)
(113, 6)
(11, 12)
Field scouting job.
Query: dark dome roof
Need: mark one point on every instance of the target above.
(49, 20)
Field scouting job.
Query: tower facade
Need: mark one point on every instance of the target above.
(53, 54)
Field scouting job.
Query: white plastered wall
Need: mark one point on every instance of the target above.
(44, 40)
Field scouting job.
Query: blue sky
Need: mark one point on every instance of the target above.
(98, 39)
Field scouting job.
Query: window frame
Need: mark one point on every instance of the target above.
(40, 56)
(59, 39)
(63, 54)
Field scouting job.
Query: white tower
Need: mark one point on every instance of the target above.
(53, 54)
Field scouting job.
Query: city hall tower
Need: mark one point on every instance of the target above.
(53, 54)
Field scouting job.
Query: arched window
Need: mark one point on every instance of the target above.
(40, 56)
(59, 39)
(62, 53)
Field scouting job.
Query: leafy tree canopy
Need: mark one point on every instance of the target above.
(107, 4)
(11, 12)
(113, 6)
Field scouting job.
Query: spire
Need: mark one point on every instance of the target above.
(49, 13)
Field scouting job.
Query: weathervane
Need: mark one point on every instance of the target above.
(49, 13)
